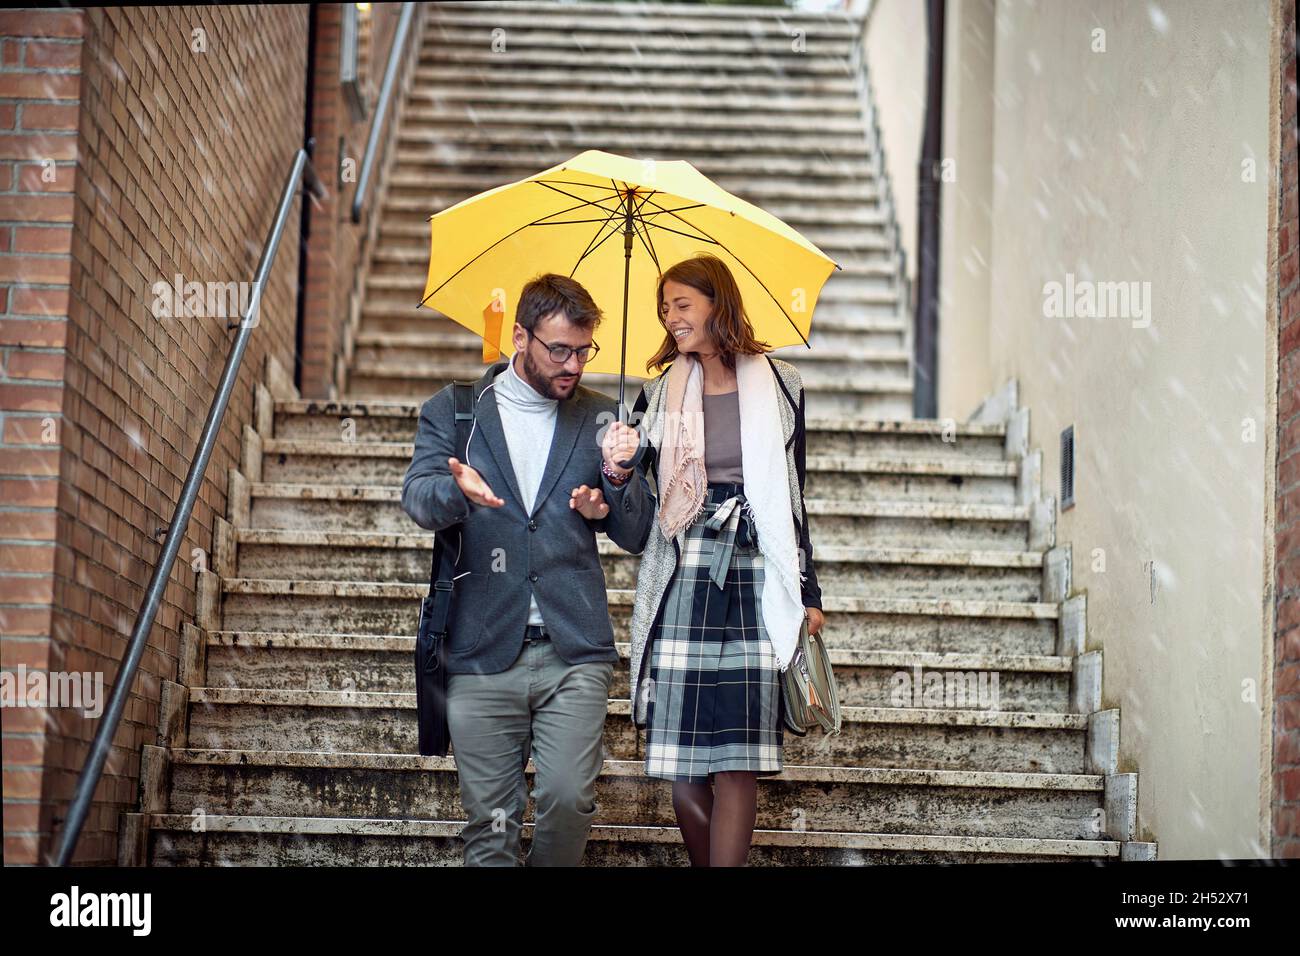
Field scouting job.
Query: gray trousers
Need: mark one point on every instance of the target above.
(556, 711)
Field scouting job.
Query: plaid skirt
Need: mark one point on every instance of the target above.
(715, 695)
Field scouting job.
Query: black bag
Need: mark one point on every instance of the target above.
(435, 611)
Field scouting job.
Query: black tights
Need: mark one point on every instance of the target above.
(717, 821)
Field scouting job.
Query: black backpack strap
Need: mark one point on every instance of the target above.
(464, 395)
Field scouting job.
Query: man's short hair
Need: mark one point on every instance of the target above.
(556, 293)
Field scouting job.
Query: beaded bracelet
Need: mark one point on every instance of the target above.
(614, 478)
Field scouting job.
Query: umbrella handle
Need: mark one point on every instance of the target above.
(637, 456)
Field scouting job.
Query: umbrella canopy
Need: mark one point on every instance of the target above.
(614, 223)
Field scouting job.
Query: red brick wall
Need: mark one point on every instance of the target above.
(40, 81)
(180, 158)
(1286, 674)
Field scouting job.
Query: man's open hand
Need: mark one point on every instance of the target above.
(472, 484)
(590, 502)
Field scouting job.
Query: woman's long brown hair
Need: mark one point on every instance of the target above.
(727, 324)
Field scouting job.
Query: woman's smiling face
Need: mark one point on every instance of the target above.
(684, 312)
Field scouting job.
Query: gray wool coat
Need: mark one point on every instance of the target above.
(659, 555)
(509, 554)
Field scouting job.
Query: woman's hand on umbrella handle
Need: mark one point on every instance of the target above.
(620, 447)
(473, 486)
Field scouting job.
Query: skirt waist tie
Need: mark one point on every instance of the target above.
(735, 527)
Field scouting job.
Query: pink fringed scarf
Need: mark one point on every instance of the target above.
(681, 457)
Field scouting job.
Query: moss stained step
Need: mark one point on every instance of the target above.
(844, 799)
(929, 625)
(383, 663)
(256, 840)
(929, 738)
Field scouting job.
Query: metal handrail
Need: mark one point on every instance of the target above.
(302, 171)
(395, 53)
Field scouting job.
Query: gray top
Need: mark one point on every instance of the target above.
(722, 437)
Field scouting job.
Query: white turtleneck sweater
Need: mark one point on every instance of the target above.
(528, 419)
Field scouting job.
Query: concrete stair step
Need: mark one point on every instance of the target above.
(353, 508)
(389, 420)
(819, 365)
(513, 165)
(816, 799)
(453, 93)
(381, 421)
(649, 16)
(226, 718)
(489, 136)
(938, 626)
(614, 81)
(382, 664)
(456, 116)
(545, 40)
(720, 62)
(333, 841)
(648, 21)
(866, 572)
(318, 461)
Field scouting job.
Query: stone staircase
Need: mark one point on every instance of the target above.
(291, 738)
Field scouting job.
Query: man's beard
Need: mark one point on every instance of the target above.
(545, 384)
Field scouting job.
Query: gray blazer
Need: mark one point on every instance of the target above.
(509, 554)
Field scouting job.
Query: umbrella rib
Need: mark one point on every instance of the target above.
(761, 283)
(498, 242)
(659, 210)
(566, 182)
(593, 244)
(585, 202)
(645, 240)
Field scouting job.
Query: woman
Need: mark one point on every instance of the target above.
(720, 594)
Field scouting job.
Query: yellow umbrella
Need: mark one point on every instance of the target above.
(614, 223)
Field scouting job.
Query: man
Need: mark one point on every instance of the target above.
(530, 651)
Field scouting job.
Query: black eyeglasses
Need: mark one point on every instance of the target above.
(560, 353)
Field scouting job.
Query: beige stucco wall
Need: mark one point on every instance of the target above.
(895, 33)
(965, 371)
(1118, 166)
